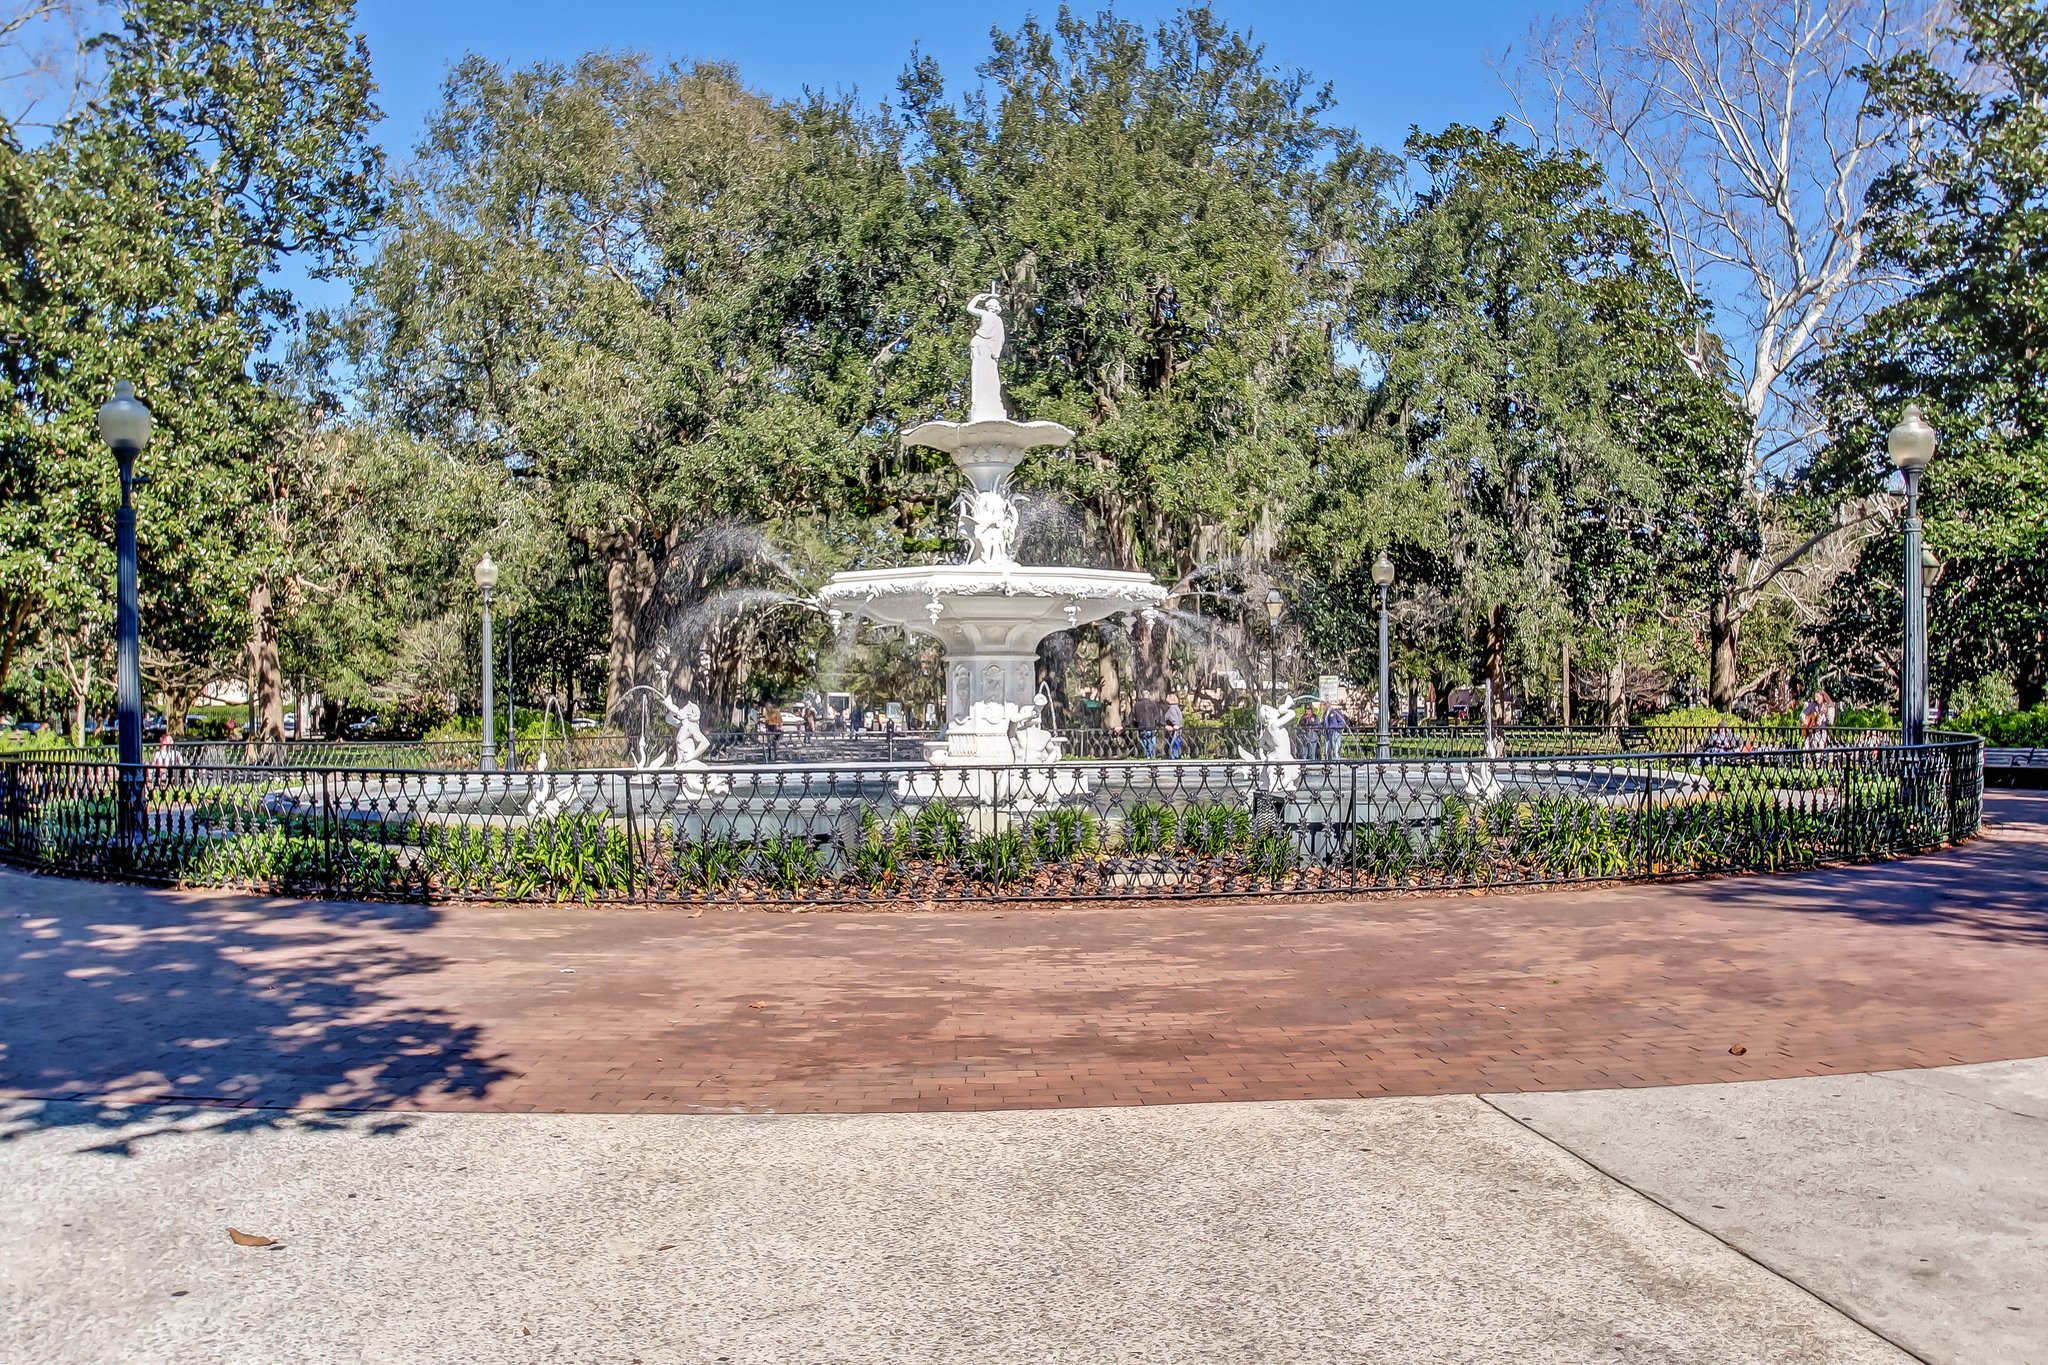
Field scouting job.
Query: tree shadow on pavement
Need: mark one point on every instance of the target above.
(1993, 888)
(267, 1011)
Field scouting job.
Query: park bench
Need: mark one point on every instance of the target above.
(2016, 767)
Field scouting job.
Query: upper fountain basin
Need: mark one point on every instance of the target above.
(988, 449)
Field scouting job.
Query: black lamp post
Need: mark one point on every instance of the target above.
(1383, 579)
(125, 424)
(1273, 609)
(487, 584)
(1912, 447)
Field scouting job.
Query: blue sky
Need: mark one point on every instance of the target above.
(1392, 64)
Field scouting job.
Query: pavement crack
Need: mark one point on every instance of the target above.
(1681, 1215)
(1906, 1079)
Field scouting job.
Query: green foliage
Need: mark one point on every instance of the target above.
(874, 864)
(1064, 833)
(709, 865)
(998, 859)
(1271, 855)
(287, 859)
(1214, 828)
(2011, 729)
(935, 830)
(1965, 217)
(1384, 853)
(1149, 827)
(788, 863)
(139, 242)
(559, 857)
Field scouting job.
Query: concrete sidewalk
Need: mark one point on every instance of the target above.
(1396, 1230)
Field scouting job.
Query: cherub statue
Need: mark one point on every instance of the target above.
(985, 387)
(691, 746)
(1276, 747)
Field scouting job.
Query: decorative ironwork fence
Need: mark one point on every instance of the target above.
(876, 830)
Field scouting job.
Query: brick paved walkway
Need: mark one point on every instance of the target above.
(120, 993)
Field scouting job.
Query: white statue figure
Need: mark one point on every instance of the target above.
(985, 387)
(1276, 748)
(988, 523)
(1030, 740)
(687, 758)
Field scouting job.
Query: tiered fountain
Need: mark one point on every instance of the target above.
(989, 612)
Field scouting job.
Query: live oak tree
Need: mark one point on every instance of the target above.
(225, 137)
(1163, 213)
(646, 290)
(1535, 427)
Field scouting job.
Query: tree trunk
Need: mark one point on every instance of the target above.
(266, 687)
(631, 576)
(1109, 688)
(1148, 651)
(1494, 645)
(1724, 629)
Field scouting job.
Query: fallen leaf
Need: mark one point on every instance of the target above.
(249, 1239)
(666, 1246)
(526, 1331)
(758, 1005)
(1737, 1050)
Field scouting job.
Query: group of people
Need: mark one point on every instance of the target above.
(1322, 731)
(1150, 719)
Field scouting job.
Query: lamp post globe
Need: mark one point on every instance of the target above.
(487, 584)
(1383, 579)
(1911, 446)
(125, 424)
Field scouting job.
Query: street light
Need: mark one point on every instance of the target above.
(1273, 608)
(1912, 447)
(125, 424)
(487, 584)
(1383, 578)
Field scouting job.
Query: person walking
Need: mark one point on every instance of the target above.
(1174, 720)
(1824, 718)
(1145, 720)
(1334, 723)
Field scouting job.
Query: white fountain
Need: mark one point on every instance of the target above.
(989, 613)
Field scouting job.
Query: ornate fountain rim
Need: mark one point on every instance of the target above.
(970, 580)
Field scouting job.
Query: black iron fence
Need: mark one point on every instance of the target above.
(874, 829)
(1202, 740)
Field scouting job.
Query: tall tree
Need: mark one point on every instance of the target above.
(1740, 129)
(1164, 214)
(647, 290)
(228, 135)
(1965, 216)
(1536, 423)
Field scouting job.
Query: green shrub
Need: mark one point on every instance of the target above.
(998, 859)
(1568, 837)
(1065, 833)
(2005, 729)
(568, 857)
(1271, 855)
(1214, 828)
(936, 830)
(270, 859)
(1384, 852)
(875, 864)
(1149, 827)
(708, 865)
(787, 864)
